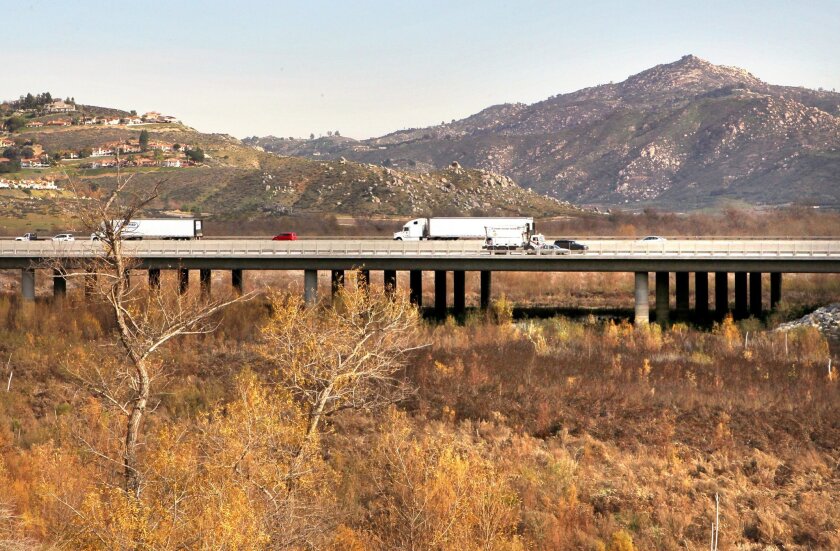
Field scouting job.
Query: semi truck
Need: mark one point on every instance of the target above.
(457, 227)
(509, 238)
(157, 228)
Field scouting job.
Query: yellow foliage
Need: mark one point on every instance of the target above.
(621, 541)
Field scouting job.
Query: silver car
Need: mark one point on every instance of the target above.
(64, 237)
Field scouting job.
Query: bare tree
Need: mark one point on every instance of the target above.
(145, 320)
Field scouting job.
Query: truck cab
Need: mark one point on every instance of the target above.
(414, 230)
(27, 237)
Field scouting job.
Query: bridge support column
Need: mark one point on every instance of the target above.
(755, 294)
(183, 280)
(486, 288)
(154, 278)
(415, 284)
(740, 295)
(775, 289)
(389, 279)
(27, 283)
(701, 295)
(310, 286)
(364, 279)
(663, 298)
(336, 281)
(237, 281)
(721, 294)
(90, 280)
(59, 284)
(205, 278)
(642, 308)
(440, 293)
(459, 290)
(682, 295)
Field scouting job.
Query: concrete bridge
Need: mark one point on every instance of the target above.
(748, 259)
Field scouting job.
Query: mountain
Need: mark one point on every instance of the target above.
(233, 181)
(687, 134)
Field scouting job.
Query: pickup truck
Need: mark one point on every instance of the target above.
(27, 237)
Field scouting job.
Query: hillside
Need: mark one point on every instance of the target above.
(684, 135)
(231, 181)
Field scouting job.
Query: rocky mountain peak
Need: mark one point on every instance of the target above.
(689, 74)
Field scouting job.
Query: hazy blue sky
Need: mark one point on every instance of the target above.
(370, 67)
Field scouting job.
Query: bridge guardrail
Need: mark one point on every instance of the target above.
(263, 248)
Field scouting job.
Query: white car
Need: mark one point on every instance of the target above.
(653, 238)
(64, 237)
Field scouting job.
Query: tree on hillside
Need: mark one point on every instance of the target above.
(144, 140)
(312, 136)
(196, 155)
(145, 321)
(13, 124)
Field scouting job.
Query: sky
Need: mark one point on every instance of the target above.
(369, 67)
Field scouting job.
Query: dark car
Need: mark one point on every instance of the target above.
(285, 236)
(571, 244)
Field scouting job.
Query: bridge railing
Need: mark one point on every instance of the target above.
(364, 248)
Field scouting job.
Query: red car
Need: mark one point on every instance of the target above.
(286, 236)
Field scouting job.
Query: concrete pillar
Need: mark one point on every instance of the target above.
(154, 278)
(310, 286)
(663, 298)
(486, 288)
(440, 293)
(701, 295)
(775, 289)
(27, 283)
(682, 295)
(237, 281)
(740, 295)
(183, 280)
(642, 308)
(205, 278)
(336, 281)
(755, 294)
(415, 283)
(390, 281)
(721, 294)
(459, 290)
(59, 284)
(364, 278)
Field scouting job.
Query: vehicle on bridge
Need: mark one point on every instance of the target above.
(27, 237)
(156, 228)
(457, 227)
(571, 244)
(285, 236)
(511, 238)
(64, 237)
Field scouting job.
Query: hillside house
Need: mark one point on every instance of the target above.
(157, 146)
(128, 148)
(34, 163)
(35, 124)
(134, 120)
(102, 151)
(59, 106)
(90, 120)
(6, 143)
(171, 163)
(151, 116)
(111, 121)
(58, 122)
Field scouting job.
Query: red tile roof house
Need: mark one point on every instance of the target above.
(6, 143)
(112, 121)
(35, 124)
(160, 146)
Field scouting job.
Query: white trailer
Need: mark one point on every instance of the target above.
(457, 227)
(158, 228)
